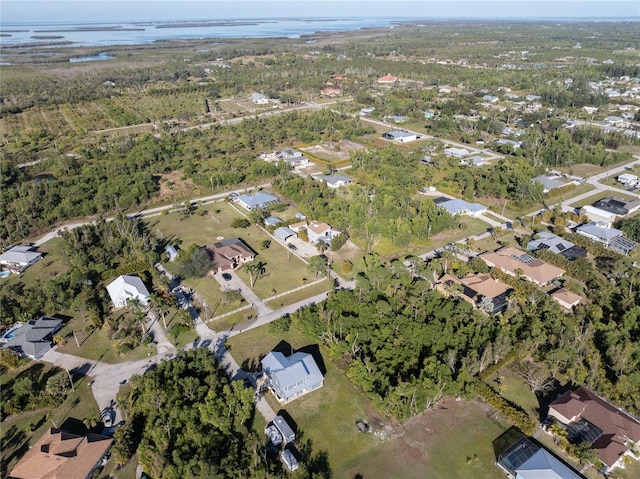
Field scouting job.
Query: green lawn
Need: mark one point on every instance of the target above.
(97, 345)
(18, 432)
(470, 227)
(434, 445)
(300, 295)
(50, 266)
(227, 322)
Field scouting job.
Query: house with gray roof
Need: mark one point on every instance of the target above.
(34, 338)
(283, 233)
(557, 245)
(272, 221)
(126, 288)
(19, 258)
(548, 182)
(475, 160)
(256, 200)
(610, 237)
(460, 207)
(336, 181)
(526, 460)
(399, 136)
(456, 152)
(290, 377)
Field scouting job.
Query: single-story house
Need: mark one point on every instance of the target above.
(599, 215)
(256, 200)
(526, 460)
(34, 338)
(476, 160)
(125, 288)
(272, 221)
(611, 237)
(588, 417)
(481, 290)
(548, 182)
(317, 231)
(288, 153)
(610, 129)
(456, 152)
(19, 258)
(400, 136)
(367, 111)
(336, 181)
(513, 143)
(229, 254)
(618, 206)
(490, 98)
(614, 120)
(590, 109)
(557, 245)
(283, 234)
(532, 97)
(291, 377)
(628, 179)
(61, 454)
(301, 216)
(298, 161)
(397, 118)
(567, 299)
(387, 79)
(259, 99)
(512, 261)
(460, 207)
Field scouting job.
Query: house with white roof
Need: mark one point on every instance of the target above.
(19, 258)
(290, 377)
(126, 288)
(257, 200)
(316, 231)
(457, 152)
(628, 179)
(400, 136)
(475, 160)
(599, 215)
(259, 99)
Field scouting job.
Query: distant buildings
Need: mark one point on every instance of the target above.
(400, 136)
(336, 181)
(456, 152)
(610, 237)
(481, 290)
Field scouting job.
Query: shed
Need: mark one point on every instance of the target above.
(287, 433)
(272, 221)
(283, 233)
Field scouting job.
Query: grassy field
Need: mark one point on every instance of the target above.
(50, 266)
(436, 444)
(471, 226)
(18, 432)
(300, 295)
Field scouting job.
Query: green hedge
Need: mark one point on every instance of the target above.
(516, 416)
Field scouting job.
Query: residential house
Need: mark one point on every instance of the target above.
(567, 299)
(628, 179)
(331, 91)
(460, 207)
(283, 234)
(513, 261)
(257, 200)
(456, 152)
(588, 417)
(557, 245)
(526, 460)
(400, 136)
(34, 338)
(490, 98)
(59, 454)
(291, 377)
(548, 182)
(367, 111)
(272, 221)
(475, 160)
(481, 290)
(397, 118)
(259, 99)
(614, 120)
(229, 254)
(598, 215)
(19, 258)
(126, 288)
(618, 206)
(532, 97)
(513, 143)
(610, 237)
(336, 181)
(317, 231)
(387, 80)
(590, 109)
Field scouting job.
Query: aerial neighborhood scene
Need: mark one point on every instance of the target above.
(287, 239)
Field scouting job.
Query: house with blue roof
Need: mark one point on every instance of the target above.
(272, 221)
(290, 377)
(256, 200)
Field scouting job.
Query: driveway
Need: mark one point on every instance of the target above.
(235, 283)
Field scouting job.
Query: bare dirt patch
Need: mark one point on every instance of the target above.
(173, 184)
(333, 151)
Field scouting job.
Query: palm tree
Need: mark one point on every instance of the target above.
(321, 246)
(90, 422)
(257, 269)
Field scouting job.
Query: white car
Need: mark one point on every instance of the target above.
(107, 420)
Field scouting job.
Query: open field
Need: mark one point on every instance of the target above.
(470, 227)
(296, 296)
(435, 444)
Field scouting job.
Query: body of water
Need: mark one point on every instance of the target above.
(137, 33)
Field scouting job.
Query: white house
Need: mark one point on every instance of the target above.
(336, 181)
(400, 136)
(476, 160)
(456, 152)
(259, 99)
(125, 288)
(607, 218)
(628, 179)
(316, 231)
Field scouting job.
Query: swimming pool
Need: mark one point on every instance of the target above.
(9, 334)
(4, 274)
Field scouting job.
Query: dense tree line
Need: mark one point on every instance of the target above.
(187, 419)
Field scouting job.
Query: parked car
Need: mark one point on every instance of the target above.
(107, 420)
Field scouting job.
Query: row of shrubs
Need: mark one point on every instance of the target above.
(516, 416)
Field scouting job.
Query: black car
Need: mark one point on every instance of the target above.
(226, 276)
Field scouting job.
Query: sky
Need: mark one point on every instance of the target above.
(150, 10)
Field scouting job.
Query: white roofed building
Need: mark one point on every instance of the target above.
(126, 288)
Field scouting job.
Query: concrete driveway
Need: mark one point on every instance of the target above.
(235, 283)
